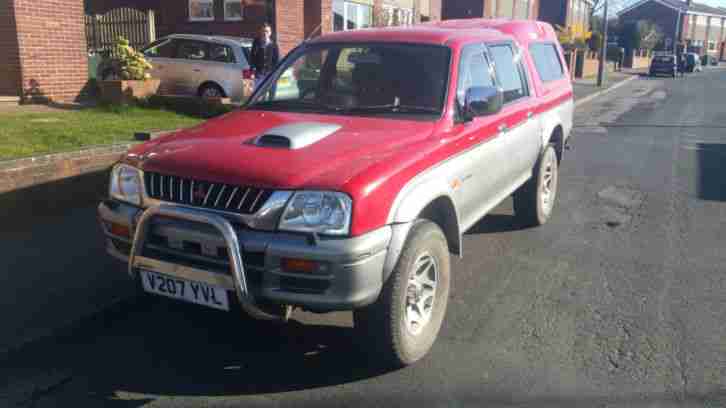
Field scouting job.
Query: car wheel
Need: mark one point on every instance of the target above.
(535, 199)
(402, 325)
(211, 91)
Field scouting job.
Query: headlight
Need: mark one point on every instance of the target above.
(318, 211)
(125, 184)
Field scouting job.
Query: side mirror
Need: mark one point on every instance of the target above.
(482, 100)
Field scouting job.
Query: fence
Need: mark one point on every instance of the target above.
(102, 30)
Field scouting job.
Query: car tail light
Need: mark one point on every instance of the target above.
(248, 74)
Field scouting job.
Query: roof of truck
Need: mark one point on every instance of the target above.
(446, 31)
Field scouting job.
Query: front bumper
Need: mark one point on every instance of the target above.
(350, 272)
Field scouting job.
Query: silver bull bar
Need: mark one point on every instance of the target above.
(246, 299)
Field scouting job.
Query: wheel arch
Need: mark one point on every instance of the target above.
(557, 139)
(436, 206)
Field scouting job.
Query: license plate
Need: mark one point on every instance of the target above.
(182, 289)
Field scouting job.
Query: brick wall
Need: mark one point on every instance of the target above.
(52, 43)
(326, 15)
(289, 23)
(10, 65)
(313, 17)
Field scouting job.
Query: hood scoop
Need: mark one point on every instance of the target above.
(296, 135)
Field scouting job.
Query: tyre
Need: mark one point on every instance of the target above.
(402, 325)
(535, 199)
(210, 91)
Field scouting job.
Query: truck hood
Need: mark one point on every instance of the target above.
(280, 150)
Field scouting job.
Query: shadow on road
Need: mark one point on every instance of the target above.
(711, 176)
(162, 347)
(494, 223)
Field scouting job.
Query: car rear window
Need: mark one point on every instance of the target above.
(547, 61)
(664, 59)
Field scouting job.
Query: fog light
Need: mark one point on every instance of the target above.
(298, 265)
(118, 230)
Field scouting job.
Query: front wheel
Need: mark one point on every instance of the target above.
(535, 199)
(402, 325)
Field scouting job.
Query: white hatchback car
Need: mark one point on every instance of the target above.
(201, 65)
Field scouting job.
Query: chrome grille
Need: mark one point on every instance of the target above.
(205, 194)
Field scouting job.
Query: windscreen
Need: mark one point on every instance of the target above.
(361, 77)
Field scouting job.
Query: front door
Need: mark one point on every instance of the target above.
(481, 166)
(190, 66)
(160, 55)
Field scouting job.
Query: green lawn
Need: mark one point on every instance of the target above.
(28, 132)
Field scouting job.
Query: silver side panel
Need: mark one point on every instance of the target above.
(561, 115)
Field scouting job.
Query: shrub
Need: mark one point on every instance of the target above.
(132, 64)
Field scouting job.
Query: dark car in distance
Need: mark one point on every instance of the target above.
(663, 64)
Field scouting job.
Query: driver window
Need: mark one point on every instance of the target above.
(473, 71)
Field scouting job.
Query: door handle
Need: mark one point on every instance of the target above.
(502, 128)
(197, 70)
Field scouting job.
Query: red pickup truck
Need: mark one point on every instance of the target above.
(349, 177)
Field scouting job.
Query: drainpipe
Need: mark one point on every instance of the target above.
(677, 39)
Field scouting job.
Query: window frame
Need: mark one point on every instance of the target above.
(559, 60)
(517, 55)
(460, 67)
(199, 19)
(358, 15)
(241, 10)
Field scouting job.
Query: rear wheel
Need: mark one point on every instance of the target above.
(211, 91)
(402, 325)
(535, 199)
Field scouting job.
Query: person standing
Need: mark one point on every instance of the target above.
(264, 55)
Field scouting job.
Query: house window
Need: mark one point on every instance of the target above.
(348, 15)
(395, 16)
(232, 10)
(201, 10)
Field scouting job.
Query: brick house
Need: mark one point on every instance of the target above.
(292, 21)
(520, 9)
(43, 42)
(566, 12)
(702, 28)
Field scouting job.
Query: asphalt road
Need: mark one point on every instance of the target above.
(619, 301)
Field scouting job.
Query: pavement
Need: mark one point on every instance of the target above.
(619, 301)
(587, 87)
